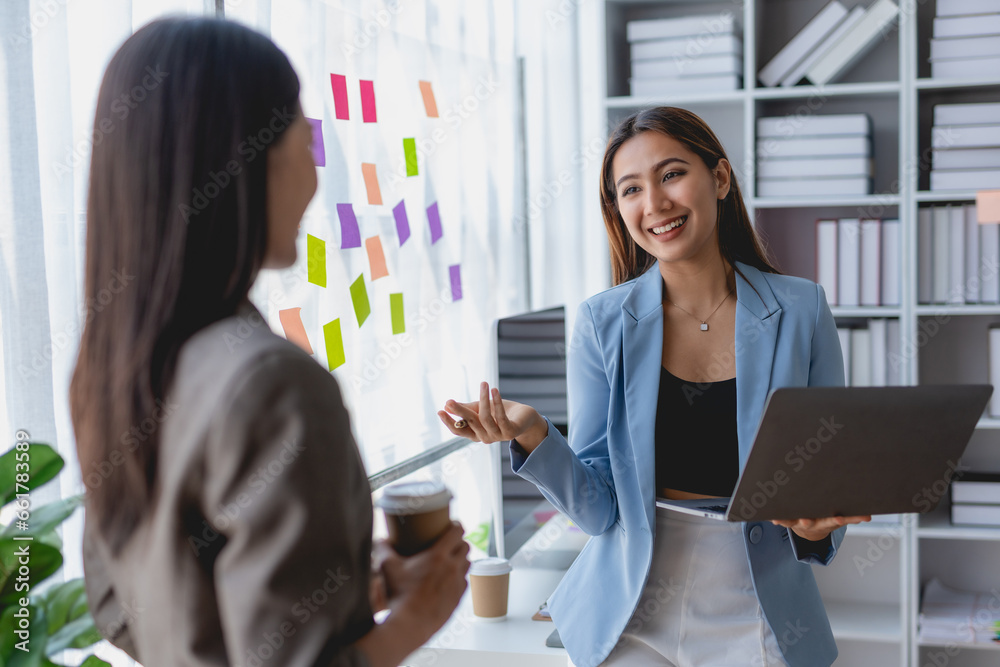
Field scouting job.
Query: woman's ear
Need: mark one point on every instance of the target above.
(723, 174)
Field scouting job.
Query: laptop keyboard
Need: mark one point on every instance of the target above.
(715, 508)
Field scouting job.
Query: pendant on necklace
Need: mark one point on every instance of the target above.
(704, 326)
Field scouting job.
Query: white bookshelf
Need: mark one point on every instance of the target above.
(874, 616)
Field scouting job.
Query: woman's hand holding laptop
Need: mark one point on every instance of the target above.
(815, 530)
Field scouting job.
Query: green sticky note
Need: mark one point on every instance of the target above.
(396, 308)
(359, 297)
(316, 260)
(334, 344)
(410, 149)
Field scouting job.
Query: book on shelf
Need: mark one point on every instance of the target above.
(949, 615)
(976, 487)
(694, 84)
(687, 47)
(965, 179)
(848, 262)
(814, 126)
(861, 358)
(675, 68)
(807, 39)
(844, 333)
(855, 165)
(981, 135)
(799, 71)
(967, 26)
(871, 262)
(963, 68)
(684, 26)
(965, 47)
(989, 263)
(781, 147)
(956, 256)
(976, 515)
(826, 258)
(941, 236)
(815, 186)
(962, 7)
(925, 251)
(890, 262)
(972, 291)
(894, 359)
(993, 357)
(854, 44)
(978, 113)
(878, 332)
(966, 158)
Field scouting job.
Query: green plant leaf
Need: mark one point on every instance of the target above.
(94, 661)
(44, 464)
(43, 561)
(13, 657)
(80, 633)
(60, 601)
(46, 518)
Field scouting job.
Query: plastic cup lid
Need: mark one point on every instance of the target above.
(489, 566)
(414, 497)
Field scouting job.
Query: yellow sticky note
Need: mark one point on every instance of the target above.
(376, 258)
(988, 206)
(291, 322)
(334, 344)
(396, 308)
(359, 297)
(316, 260)
(371, 183)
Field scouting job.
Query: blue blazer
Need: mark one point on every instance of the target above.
(603, 478)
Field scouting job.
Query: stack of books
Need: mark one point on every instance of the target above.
(966, 42)
(975, 499)
(965, 146)
(857, 261)
(830, 44)
(949, 616)
(692, 54)
(959, 259)
(872, 356)
(814, 155)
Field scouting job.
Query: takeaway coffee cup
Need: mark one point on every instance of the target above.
(489, 579)
(416, 514)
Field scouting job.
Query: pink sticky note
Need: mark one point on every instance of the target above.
(988, 206)
(291, 322)
(339, 84)
(368, 101)
(376, 258)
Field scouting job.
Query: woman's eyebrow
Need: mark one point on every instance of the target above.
(656, 167)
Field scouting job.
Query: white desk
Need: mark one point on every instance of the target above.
(538, 567)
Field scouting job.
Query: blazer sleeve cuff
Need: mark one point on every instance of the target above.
(816, 553)
(543, 457)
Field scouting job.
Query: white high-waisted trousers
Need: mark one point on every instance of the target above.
(699, 608)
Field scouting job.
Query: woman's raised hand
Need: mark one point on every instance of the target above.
(492, 419)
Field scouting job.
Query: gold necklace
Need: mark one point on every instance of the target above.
(704, 323)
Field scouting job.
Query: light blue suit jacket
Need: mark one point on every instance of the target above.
(604, 480)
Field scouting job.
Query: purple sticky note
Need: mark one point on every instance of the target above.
(402, 223)
(368, 101)
(434, 219)
(350, 235)
(455, 271)
(339, 84)
(319, 152)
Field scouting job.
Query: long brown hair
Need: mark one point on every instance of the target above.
(737, 239)
(176, 233)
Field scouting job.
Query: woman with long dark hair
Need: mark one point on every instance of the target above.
(229, 516)
(667, 377)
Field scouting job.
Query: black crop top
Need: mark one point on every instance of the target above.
(696, 445)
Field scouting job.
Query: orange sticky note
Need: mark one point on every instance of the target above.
(376, 258)
(988, 206)
(430, 104)
(371, 183)
(291, 322)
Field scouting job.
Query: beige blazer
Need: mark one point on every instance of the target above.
(257, 547)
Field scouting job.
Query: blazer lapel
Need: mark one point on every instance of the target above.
(757, 319)
(642, 357)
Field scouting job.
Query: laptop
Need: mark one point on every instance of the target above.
(850, 451)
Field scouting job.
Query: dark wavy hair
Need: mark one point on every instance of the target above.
(176, 232)
(737, 238)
